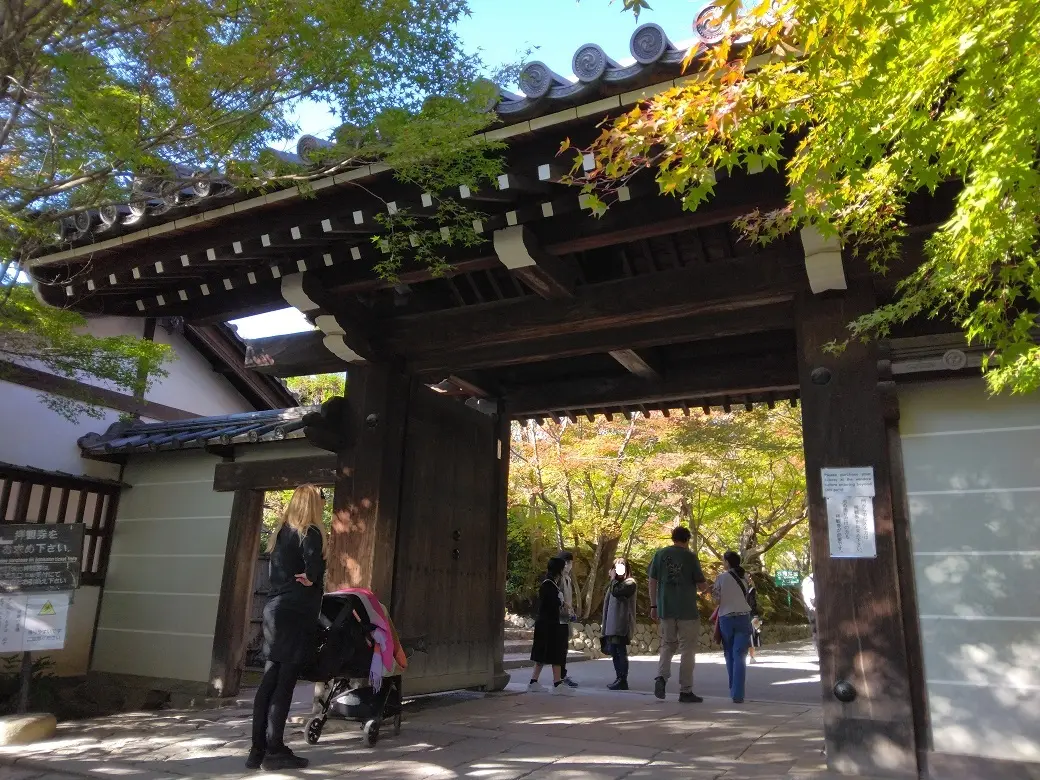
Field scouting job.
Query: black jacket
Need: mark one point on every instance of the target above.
(292, 556)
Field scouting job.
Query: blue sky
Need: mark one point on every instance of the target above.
(501, 30)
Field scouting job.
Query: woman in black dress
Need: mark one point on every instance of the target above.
(297, 548)
(550, 632)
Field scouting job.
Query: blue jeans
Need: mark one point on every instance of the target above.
(619, 653)
(736, 638)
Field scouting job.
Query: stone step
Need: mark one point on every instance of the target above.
(519, 633)
(517, 646)
(523, 660)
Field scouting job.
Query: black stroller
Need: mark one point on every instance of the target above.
(342, 662)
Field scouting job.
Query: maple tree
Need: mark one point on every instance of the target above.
(109, 105)
(618, 487)
(861, 104)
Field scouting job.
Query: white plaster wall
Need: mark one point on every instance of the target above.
(159, 608)
(972, 467)
(33, 435)
(193, 385)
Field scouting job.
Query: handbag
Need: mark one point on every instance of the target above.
(716, 634)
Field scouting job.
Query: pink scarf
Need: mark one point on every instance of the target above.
(383, 658)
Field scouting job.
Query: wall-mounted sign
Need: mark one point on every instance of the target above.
(850, 511)
(40, 557)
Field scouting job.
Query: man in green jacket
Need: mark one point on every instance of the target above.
(675, 579)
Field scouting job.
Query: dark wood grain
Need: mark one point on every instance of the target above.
(236, 591)
(862, 638)
(277, 474)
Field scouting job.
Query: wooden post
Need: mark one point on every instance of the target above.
(859, 609)
(499, 545)
(25, 677)
(236, 593)
(368, 489)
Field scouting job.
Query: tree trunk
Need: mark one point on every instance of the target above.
(603, 560)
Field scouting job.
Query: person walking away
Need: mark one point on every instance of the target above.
(756, 620)
(675, 579)
(290, 624)
(619, 621)
(548, 650)
(569, 615)
(756, 638)
(734, 622)
(809, 601)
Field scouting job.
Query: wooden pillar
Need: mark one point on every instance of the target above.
(368, 489)
(859, 609)
(236, 593)
(499, 542)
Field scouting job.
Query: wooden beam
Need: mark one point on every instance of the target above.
(760, 319)
(769, 373)
(627, 303)
(278, 474)
(298, 354)
(349, 320)
(236, 593)
(228, 356)
(635, 363)
(544, 273)
(89, 394)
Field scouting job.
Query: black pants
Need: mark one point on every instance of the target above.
(619, 653)
(272, 703)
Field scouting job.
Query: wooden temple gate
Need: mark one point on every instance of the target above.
(558, 314)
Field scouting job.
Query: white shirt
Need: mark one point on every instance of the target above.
(809, 592)
(729, 595)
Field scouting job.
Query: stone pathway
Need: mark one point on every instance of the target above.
(595, 735)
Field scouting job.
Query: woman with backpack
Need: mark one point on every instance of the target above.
(734, 613)
(550, 631)
(619, 621)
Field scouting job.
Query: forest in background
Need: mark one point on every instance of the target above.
(613, 487)
(609, 488)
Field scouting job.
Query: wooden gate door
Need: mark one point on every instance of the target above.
(444, 574)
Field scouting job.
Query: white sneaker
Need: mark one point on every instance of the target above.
(535, 687)
(562, 690)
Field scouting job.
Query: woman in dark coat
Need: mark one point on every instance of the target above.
(550, 631)
(619, 621)
(297, 548)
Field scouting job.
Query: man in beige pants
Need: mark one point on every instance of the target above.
(675, 579)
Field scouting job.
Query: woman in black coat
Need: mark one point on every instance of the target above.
(297, 548)
(550, 631)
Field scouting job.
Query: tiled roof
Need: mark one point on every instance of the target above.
(595, 75)
(250, 427)
(655, 58)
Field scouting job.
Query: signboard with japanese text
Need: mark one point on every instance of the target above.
(31, 622)
(785, 578)
(849, 493)
(40, 557)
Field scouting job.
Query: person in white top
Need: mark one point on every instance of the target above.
(809, 600)
(734, 622)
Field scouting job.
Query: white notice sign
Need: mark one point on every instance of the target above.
(850, 512)
(33, 621)
(46, 616)
(838, 483)
(12, 622)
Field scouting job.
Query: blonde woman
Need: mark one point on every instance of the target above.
(297, 548)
